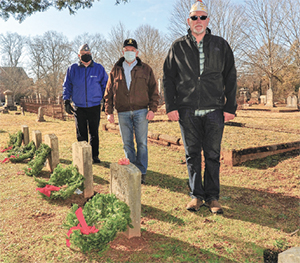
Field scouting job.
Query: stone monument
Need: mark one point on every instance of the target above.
(40, 115)
(269, 102)
(9, 101)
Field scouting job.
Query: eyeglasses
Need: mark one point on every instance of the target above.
(194, 18)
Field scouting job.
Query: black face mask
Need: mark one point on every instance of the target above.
(86, 57)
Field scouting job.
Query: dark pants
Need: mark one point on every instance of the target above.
(87, 122)
(202, 133)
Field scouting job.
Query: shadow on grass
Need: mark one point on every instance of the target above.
(104, 164)
(153, 247)
(65, 161)
(270, 161)
(166, 181)
(153, 212)
(274, 210)
(100, 180)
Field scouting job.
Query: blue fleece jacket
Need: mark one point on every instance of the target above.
(85, 86)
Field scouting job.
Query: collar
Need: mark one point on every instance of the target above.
(81, 65)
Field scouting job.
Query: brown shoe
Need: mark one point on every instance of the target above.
(195, 204)
(214, 207)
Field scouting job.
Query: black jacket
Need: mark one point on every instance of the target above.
(215, 88)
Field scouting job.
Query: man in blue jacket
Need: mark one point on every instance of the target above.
(200, 93)
(85, 84)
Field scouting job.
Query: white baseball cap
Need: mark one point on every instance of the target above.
(198, 6)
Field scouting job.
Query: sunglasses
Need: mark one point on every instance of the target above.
(194, 18)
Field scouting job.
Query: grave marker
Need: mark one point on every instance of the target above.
(125, 183)
(291, 102)
(25, 131)
(269, 102)
(37, 138)
(53, 160)
(291, 255)
(40, 114)
(82, 158)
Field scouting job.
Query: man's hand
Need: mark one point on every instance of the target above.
(228, 116)
(173, 115)
(68, 108)
(110, 118)
(150, 115)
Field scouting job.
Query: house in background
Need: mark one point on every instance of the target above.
(16, 80)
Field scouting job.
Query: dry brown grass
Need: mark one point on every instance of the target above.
(260, 199)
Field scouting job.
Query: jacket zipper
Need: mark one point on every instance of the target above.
(86, 100)
(199, 77)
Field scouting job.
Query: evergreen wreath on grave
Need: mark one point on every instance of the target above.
(36, 165)
(15, 140)
(106, 214)
(69, 179)
(18, 154)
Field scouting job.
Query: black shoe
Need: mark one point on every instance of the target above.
(96, 159)
(143, 179)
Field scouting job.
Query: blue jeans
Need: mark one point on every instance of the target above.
(135, 123)
(202, 133)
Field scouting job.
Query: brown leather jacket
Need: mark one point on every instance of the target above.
(143, 92)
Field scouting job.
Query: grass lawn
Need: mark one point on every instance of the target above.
(260, 199)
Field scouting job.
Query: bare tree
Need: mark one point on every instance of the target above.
(21, 9)
(114, 47)
(97, 44)
(153, 47)
(50, 57)
(263, 48)
(11, 48)
(291, 32)
(12, 76)
(226, 20)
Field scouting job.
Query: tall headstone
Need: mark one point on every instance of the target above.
(82, 158)
(125, 183)
(25, 131)
(269, 102)
(9, 101)
(53, 160)
(37, 138)
(291, 255)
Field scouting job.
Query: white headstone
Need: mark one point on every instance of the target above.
(291, 255)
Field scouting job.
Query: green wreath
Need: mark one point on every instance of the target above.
(22, 153)
(15, 140)
(106, 213)
(69, 177)
(36, 165)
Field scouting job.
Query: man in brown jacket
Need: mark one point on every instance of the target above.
(132, 90)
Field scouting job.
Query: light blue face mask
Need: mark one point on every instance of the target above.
(129, 56)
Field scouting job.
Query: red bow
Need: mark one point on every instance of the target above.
(47, 189)
(8, 158)
(4, 150)
(84, 228)
(123, 161)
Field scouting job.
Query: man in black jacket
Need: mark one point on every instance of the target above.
(200, 92)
